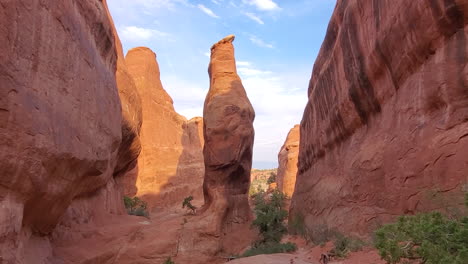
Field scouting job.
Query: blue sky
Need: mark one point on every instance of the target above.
(276, 45)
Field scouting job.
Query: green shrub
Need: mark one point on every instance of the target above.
(270, 216)
(187, 203)
(169, 261)
(135, 206)
(429, 237)
(272, 178)
(270, 248)
(342, 245)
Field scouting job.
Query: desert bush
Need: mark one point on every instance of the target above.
(270, 248)
(135, 206)
(430, 238)
(188, 203)
(270, 216)
(342, 245)
(272, 178)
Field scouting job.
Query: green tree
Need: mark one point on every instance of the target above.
(272, 178)
(270, 216)
(188, 203)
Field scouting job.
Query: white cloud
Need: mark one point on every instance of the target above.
(208, 54)
(243, 63)
(254, 18)
(135, 34)
(207, 11)
(251, 72)
(259, 42)
(264, 5)
(279, 103)
(215, 2)
(188, 96)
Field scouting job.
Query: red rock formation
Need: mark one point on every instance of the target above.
(60, 117)
(287, 161)
(228, 132)
(170, 166)
(385, 131)
(131, 110)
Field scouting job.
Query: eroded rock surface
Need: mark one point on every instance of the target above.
(60, 117)
(385, 131)
(170, 166)
(131, 111)
(229, 134)
(287, 162)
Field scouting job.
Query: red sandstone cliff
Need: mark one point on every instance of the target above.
(170, 166)
(60, 118)
(385, 131)
(287, 162)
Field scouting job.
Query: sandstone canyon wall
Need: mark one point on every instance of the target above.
(229, 134)
(60, 117)
(130, 100)
(385, 131)
(170, 166)
(287, 162)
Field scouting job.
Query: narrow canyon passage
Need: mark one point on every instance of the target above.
(123, 141)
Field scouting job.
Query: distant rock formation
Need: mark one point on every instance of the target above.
(259, 179)
(60, 118)
(385, 131)
(170, 166)
(229, 135)
(287, 161)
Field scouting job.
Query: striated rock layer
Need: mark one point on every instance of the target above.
(170, 166)
(229, 134)
(385, 131)
(60, 118)
(287, 162)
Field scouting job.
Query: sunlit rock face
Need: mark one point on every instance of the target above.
(287, 162)
(60, 118)
(130, 146)
(170, 166)
(385, 131)
(229, 134)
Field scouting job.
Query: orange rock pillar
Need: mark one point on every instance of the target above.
(229, 135)
(287, 161)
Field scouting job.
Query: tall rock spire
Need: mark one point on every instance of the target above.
(229, 135)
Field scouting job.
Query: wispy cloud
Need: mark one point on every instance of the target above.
(215, 2)
(254, 18)
(259, 42)
(161, 4)
(243, 63)
(207, 11)
(246, 71)
(275, 97)
(264, 5)
(135, 34)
